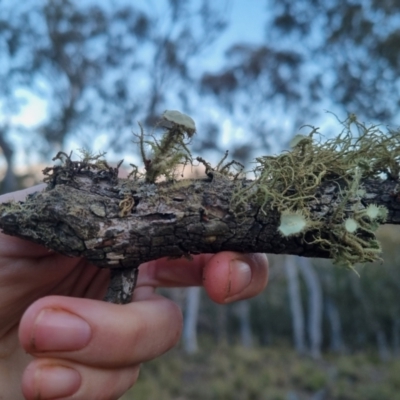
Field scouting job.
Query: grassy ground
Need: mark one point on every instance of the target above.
(234, 373)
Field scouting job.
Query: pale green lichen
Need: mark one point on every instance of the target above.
(374, 212)
(351, 225)
(292, 223)
(182, 121)
(288, 182)
(169, 152)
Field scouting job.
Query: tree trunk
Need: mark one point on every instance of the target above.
(296, 306)
(370, 318)
(396, 336)
(9, 182)
(222, 325)
(336, 339)
(190, 344)
(246, 335)
(382, 344)
(314, 306)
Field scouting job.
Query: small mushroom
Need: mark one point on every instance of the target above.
(182, 121)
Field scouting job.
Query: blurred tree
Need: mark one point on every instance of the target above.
(99, 67)
(102, 66)
(246, 333)
(296, 306)
(189, 333)
(341, 56)
(315, 303)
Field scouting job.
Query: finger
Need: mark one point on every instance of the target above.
(100, 334)
(53, 379)
(227, 276)
(14, 247)
(231, 276)
(167, 272)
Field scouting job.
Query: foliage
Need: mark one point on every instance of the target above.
(236, 373)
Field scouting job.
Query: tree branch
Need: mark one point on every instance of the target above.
(317, 200)
(120, 223)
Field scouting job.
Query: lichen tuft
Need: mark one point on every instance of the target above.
(374, 212)
(168, 153)
(289, 183)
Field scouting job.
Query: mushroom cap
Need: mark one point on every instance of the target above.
(180, 119)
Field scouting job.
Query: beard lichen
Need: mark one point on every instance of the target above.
(171, 151)
(289, 182)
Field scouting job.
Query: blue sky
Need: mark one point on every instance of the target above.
(246, 24)
(246, 18)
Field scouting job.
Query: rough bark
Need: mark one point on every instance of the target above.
(121, 223)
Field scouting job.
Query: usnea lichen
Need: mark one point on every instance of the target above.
(288, 182)
(168, 153)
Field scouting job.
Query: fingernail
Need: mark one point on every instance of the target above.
(239, 278)
(59, 330)
(56, 382)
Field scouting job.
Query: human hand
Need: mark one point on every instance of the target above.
(57, 340)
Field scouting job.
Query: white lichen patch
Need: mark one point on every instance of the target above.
(292, 223)
(375, 212)
(372, 211)
(351, 225)
(182, 120)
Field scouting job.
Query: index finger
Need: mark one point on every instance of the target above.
(226, 276)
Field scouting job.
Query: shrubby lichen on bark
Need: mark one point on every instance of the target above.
(289, 181)
(320, 198)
